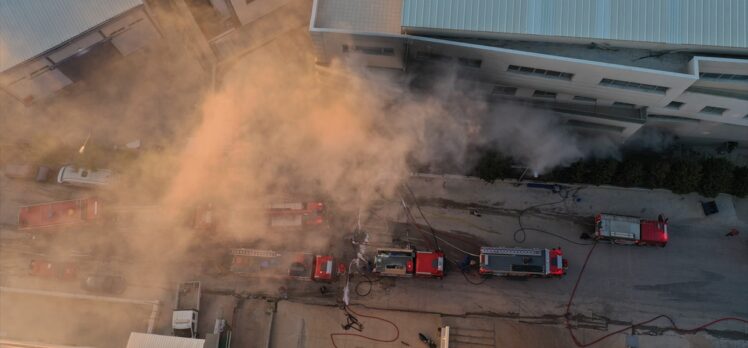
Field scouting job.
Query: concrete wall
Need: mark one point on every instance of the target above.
(586, 74)
(585, 82)
(343, 45)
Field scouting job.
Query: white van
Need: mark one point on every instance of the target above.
(70, 175)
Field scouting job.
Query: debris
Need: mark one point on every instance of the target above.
(427, 340)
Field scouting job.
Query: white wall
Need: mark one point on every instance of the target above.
(131, 32)
(331, 43)
(585, 82)
(586, 79)
(33, 80)
(37, 79)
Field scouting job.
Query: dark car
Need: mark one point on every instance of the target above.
(104, 284)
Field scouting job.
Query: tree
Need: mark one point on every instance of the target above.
(492, 165)
(685, 176)
(717, 176)
(740, 182)
(631, 172)
(659, 173)
(601, 172)
(577, 172)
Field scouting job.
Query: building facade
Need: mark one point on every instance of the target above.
(608, 65)
(48, 45)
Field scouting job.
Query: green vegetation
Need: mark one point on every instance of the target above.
(687, 173)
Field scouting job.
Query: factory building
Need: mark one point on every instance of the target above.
(612, 66)
(48, 45)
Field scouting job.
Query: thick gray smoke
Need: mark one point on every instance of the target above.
(452, 118)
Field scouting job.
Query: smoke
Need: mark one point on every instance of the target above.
(275, 129)
(651, 139)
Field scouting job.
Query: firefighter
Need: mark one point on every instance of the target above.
(733, 232)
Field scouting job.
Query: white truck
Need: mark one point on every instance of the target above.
(184, 317)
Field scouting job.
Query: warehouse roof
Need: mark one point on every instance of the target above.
(141, 340)
(701, 23)
(372, 16)
(30, 28)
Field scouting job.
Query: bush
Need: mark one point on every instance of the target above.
(717, 176)
(740, 182)
(659, 173)
(631, 172)
(601, 172)
(492, 165)
(577, 172)
(685, 176)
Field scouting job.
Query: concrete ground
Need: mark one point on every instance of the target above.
(301, 325)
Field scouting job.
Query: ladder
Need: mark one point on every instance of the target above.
(253, 252)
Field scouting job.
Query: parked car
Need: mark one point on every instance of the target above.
(71, 175)
(27, 172)
(47, 269)
(104, 284)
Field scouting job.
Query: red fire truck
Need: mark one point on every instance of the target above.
(294, 265)
(58, 213)
(58, 270)
(522, 262)
(279, 215)
(631, 230)
(409, 262)
(296, 214)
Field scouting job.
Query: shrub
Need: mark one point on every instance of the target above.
(685, 176)
(577, 172)
(717, 176)
(740, 182)
(659, 173)
(631, 172)
(492, 165)
(601, 172)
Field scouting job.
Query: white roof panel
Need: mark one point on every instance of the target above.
(708, 23)
(31, 27)
(372, 16)
(141, 340)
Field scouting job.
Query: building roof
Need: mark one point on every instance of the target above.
(141, 340)
(369, 16)
(30, 28)
(700, 23)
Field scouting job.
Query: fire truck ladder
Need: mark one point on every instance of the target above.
(253, 252)
(512, 251)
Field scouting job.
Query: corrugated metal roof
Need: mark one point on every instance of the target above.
(31, 27)
(141, 340)
(721, 23)
(374, 16)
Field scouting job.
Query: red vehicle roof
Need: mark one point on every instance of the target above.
(60, 270)
(653, 231)
(557, 262)
(430, 263)
(58, 213)
(324, 268)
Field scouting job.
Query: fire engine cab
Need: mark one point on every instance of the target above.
(631, 230)
(522, 262)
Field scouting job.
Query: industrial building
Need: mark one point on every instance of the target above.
(610, 66)
(48, 45)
